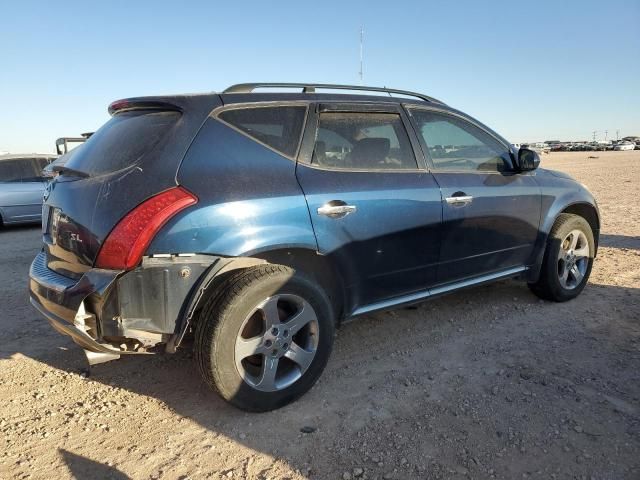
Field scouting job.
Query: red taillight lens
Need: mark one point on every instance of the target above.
(127, 242)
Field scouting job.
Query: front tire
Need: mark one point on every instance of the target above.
(264, 340)
(568, 259)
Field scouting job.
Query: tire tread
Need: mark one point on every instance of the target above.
(211, 316)
(545, 286)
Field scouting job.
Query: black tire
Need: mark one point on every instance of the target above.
(223, 315)
(549, 286)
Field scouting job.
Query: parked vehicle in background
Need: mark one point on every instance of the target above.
(603, 145)
(66, 144)
(538, 147)
(622, 146)
(52, 169)
(21, 187)
(260, 221)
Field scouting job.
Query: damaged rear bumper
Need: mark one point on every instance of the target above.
(95, 352)
(110, 313)
(60, 300)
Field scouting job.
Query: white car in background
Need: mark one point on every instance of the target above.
(624, 146)
(538, 147)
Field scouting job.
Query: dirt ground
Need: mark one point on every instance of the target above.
(486, 383)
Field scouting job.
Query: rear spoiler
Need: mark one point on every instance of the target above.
(128, 104)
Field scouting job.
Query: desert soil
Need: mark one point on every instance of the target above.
(486, 383)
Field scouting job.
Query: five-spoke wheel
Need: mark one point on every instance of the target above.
(277, 342)
(265, 337)
(573, 259)
(567, 260)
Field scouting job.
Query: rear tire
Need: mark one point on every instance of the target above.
(264, 339)
(568, 259)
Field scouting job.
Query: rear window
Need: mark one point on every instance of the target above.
(123, 141)
(22, 170)
(278, 127)
(10, 171)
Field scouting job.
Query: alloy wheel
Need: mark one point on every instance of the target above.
(573, 259)
(277, 342)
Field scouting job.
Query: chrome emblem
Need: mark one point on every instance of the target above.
(75, 237)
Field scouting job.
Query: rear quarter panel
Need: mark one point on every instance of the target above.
(249, 199)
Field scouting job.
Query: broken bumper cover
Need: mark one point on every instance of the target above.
(61, 301)
(113, 312)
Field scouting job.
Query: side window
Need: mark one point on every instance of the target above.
(42, 163)
(32, 169)
(455, 144)
(370, 141)
(278, 127)
(11, 171)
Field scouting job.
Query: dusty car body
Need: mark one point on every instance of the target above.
(143, 239)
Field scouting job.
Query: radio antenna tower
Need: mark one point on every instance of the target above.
(361, 72)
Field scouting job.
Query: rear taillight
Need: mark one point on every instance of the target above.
(127, 242)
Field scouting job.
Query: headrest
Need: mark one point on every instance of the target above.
(369, 151)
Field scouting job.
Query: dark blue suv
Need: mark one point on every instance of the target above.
(260, 220)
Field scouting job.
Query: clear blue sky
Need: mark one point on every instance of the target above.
(531, 70)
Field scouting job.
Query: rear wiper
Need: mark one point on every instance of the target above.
(64, 170)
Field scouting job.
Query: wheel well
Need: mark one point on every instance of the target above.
(590, 214)
(319, 267)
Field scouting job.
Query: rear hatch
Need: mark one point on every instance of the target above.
(134, 156)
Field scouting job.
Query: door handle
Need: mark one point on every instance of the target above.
(335, 210)
(459, 201)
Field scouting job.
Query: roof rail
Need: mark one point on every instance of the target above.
(311, 88)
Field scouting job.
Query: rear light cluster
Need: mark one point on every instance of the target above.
(127, 242)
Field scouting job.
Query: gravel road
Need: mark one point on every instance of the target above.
(486, 383)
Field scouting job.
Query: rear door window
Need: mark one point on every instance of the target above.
(362, 141)
(123, 141)
(278, 127)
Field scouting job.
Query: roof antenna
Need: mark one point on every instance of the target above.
(361, 72)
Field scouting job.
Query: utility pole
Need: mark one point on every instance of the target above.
(617, 135)
(605, 135)
(594, 135)
(361, 73)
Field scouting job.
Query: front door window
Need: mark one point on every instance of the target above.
(456, 145)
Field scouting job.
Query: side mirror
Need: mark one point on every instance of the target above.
(527, 160)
